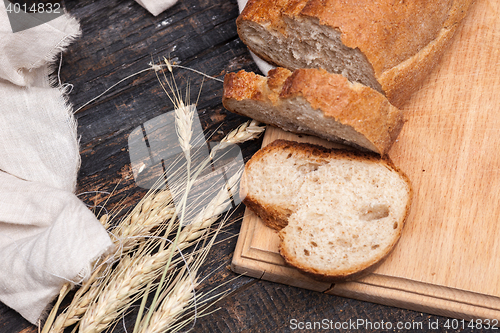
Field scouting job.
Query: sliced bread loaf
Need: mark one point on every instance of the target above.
(339, 213)
(388, 45)
(315, 102)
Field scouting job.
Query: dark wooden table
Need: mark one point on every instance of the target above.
(119, 39)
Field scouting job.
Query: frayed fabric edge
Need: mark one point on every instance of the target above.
(73, 33)
(82, 277)
(51, 59)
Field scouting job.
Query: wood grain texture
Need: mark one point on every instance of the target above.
(119, 39)
(448, 258)
(449, 148)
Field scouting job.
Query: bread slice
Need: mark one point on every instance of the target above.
(388, 45)
(315, 102)
(338, 213)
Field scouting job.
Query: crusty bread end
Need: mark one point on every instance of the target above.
(315, 102)
(390, 46)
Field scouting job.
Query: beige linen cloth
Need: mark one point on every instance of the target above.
(47, 235)
(156, 7)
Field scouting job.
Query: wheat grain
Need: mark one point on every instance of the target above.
(153, 210)
(115, 298)
(247, 131)
(130, 276)
(172, 306)
(183, 123)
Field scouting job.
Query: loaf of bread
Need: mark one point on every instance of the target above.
(315, 102)
(388, 45)
(339, 213)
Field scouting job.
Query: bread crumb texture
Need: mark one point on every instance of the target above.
(315, 102)
(348, 209)
(388, 45)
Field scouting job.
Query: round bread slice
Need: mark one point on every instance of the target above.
(339, 212)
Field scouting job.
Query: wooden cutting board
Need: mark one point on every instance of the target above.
(447, 261)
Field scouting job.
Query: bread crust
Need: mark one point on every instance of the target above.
(274, 217)
(402, 40)
(362, 108)
(348, 275)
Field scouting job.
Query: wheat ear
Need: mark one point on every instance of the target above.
(82, 299)
(212, 211)
(126, 284)
(184, 122)
(172, 306)
(136, 274)
(130, 276)
(182, 294)
(148, 214)
(245, 132)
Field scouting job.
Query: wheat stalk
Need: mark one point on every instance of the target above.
(135, 274)
(130, 276)
(148, 214)
(100, 302)
(172, 306)
(247, 131)
(183, 113)
(141, 220)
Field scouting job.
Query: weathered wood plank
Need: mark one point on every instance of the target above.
(119, 39)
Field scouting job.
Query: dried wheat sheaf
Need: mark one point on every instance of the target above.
(157, 255)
